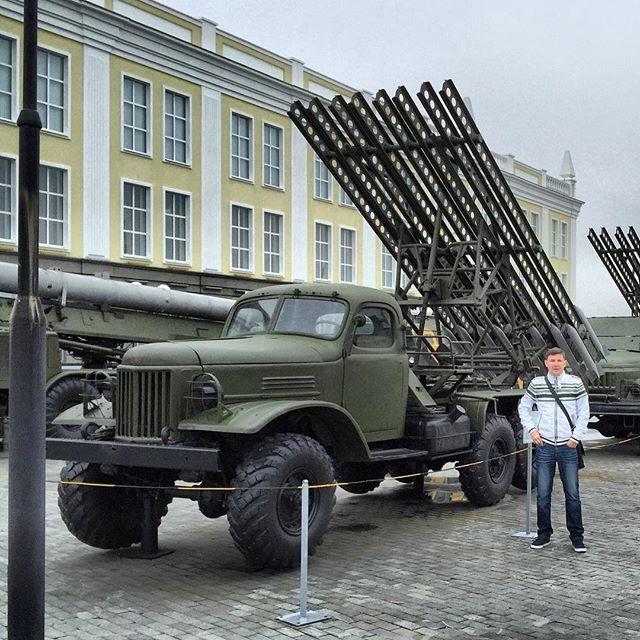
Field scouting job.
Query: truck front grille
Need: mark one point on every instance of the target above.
(143, 405)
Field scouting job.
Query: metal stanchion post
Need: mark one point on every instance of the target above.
(527, 533)
(303, 617)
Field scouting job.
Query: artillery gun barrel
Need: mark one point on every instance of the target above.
(67, 287)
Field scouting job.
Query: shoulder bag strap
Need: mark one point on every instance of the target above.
(560, 404)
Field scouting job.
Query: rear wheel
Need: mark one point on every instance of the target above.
(488, 478)
(520, 470)
(613, 427)
(101, 516)
(265, 506)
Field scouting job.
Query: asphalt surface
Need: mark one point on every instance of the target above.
(393, 565)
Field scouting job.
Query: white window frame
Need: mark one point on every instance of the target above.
(564, 278)
(280, 185)
(235, 112)
(149, 123)
(344, 200)
(187, 96)
(66, 92)
(188, 225)
(66, 209)
(317, 163)
(564, 240)
(15, 74)
(555, 232)
(149, 233)
(280, 215)
(329, 226)
(13, 202)
(252, 235)
(354, 251)
(535, 226)
(385, 253)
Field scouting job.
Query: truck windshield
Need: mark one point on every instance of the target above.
(252, 317)
(309, 316)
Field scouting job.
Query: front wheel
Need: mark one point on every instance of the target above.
(487, 479)
(100, 515)
(265, 506)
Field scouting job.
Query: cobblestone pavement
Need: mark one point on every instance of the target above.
(392, 566)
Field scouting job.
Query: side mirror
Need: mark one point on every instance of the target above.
(359, 320)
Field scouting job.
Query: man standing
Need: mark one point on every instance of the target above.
(556, 440)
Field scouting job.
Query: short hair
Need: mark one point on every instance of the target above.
(554, 351)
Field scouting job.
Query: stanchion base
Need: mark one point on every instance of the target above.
(296, 620)
(524, 534)
(137, 553)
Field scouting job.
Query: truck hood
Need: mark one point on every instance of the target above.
(256, 349)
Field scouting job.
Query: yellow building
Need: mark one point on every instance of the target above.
(168, 156)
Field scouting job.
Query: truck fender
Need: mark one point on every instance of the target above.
(330, 424)
(478, 405)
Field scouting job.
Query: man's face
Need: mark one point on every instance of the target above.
(555, 364)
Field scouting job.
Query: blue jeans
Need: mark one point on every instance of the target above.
(566, 457)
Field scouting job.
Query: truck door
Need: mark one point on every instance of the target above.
(376, 375)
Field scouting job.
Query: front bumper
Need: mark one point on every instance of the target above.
(129, 454)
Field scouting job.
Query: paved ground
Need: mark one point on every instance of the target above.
(392, 566)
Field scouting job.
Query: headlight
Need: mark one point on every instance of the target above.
(205, 392)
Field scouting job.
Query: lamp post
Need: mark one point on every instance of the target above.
(25, 573)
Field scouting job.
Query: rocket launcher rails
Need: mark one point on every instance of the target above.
(422, 176)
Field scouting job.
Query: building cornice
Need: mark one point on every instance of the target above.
(118, 35)
(544, 196)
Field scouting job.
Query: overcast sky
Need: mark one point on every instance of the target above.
(542, 76)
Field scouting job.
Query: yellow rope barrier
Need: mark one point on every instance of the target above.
(319, 486)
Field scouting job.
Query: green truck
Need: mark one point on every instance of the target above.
(334, 382)
(307, 381)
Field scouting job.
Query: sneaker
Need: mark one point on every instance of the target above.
(579, 547)
(539, 543)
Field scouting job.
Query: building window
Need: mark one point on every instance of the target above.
(564, 231)
(177, 214)
(7, 198)
(388, 269)
(136, 104)
(52, 206)
(554, 238)
(273, 228)
(272, 156)
(321, 183)
(344, 199)
(347, 255)
(565, 279)
(323, 251)
(535, 223)
(136, 217)
(7, 77)
(176, 127)
(52, 71)
(241, 144)
(241, 238)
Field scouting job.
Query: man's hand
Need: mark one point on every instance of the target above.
(537, 438)
(572, 444)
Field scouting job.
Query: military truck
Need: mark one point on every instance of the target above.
(615, 397)
(95, 320)
(324, 381)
